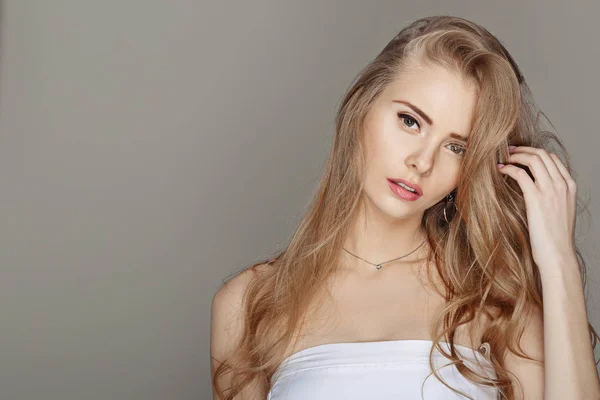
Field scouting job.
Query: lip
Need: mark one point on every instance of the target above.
(411, 185)
(403, 193)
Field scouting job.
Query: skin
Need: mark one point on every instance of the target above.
(396, 146)
(365, 302)
(406, 146)
(399, 143)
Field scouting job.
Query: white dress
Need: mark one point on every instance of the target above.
(383, 370)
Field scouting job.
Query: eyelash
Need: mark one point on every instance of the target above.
(405, 116)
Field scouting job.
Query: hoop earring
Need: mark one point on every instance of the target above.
(449, 199)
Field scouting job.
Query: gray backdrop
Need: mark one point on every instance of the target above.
(148, 149)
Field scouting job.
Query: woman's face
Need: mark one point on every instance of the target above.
(417, 146)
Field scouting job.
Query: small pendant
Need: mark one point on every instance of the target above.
(378, 266)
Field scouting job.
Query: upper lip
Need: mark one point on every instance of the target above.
(409, 184)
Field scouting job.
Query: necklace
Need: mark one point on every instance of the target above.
(378, 266)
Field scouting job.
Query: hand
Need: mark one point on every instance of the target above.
(550, 201)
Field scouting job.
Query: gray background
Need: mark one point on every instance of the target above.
(148, 149)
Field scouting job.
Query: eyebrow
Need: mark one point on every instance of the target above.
(428, 119)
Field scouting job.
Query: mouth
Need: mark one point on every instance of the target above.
(411, 187)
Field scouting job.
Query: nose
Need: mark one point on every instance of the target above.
(422, 160)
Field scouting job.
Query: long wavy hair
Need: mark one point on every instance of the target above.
(482, 255)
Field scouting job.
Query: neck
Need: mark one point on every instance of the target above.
(378, 239)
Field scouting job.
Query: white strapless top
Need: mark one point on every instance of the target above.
(384, 370)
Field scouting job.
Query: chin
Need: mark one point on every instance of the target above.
(399, 210)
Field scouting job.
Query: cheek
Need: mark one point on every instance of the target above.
(380, 146)
(448, 181)
(453, 173)
(445, 179)
(390, 144)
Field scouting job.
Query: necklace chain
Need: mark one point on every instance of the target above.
(380, 265)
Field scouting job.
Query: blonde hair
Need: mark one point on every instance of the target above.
(482, 255)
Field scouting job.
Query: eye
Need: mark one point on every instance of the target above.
(461, 149)
(407, 117)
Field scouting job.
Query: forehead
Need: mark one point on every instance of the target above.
(431, 82)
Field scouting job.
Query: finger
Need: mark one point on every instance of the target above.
(520, 175)
(551, 169)
(536, 166)
(563, 170)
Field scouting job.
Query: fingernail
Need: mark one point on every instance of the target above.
(512, 147)
(500, 165)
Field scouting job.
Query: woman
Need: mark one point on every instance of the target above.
(427, 249)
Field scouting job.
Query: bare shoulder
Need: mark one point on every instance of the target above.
(227, 322)
(227, 308)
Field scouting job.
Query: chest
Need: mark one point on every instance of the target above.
(392, 307)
